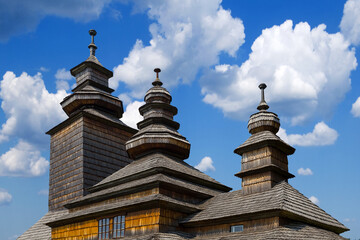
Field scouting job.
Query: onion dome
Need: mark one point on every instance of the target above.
(158, 130)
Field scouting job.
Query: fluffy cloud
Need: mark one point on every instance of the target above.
(131, 115)
(30, 109)
(305, 172)
(5, 197)
(17, 16)
(314, 200)
(321, 135)
(23, 160)
(307, 72)
(355, 109)
(62, 79)
(206, 164)
(125, 98)
(350, 23)
(185, 37)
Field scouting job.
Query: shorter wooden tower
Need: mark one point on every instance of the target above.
(264, 155)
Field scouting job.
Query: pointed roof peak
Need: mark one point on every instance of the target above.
(92, 45)
(157, 81)
(158, 130)
(262, 105)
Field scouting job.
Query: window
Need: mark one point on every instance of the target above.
(118, 226)
(112, 228)
(104, 228)
(237, 228)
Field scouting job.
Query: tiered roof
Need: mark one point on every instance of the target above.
(158, 151)
(158, 130)
(282, 200)
(92, 90)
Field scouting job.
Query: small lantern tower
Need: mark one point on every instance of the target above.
(264, 155)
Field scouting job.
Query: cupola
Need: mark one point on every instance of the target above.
(92, 87)
(264, 155)
(158, 130)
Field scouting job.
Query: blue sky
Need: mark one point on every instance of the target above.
(213, 55)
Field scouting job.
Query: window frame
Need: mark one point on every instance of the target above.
(109, 227)
(233, 227)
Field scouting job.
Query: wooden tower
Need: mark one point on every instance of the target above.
(90, 144)
(264, 155)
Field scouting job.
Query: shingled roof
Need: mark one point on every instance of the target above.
(158, 162)
(132, 204)
(143, 183)
(298, 231)
(283, 197)
(40, 231)
(261, 139)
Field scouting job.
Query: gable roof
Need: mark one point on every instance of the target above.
(282, 197)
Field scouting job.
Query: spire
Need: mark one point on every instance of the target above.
(262, 105)
(264, 155)
(157, 81)
(92, 87)
(92, 45)
(158, 130)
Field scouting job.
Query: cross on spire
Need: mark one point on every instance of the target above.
(92, 45)
(262, 105)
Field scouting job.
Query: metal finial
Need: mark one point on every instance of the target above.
(92, 45)
(157, 81)
(263, 105)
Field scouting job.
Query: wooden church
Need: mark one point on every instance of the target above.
(110, 181)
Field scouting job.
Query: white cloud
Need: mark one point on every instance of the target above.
(44, 192)
(30, 109)
(350, 22)
(305, 172)
(5, 197)
(321, 135)
(62, 79)
(125, 98)
(18, 16)
(314, 200)
(23, 160)
(206, 164)
(44, 69)
(63, 74)
(185, 37)
(131, 115)
(307, 72)
(355, 109)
